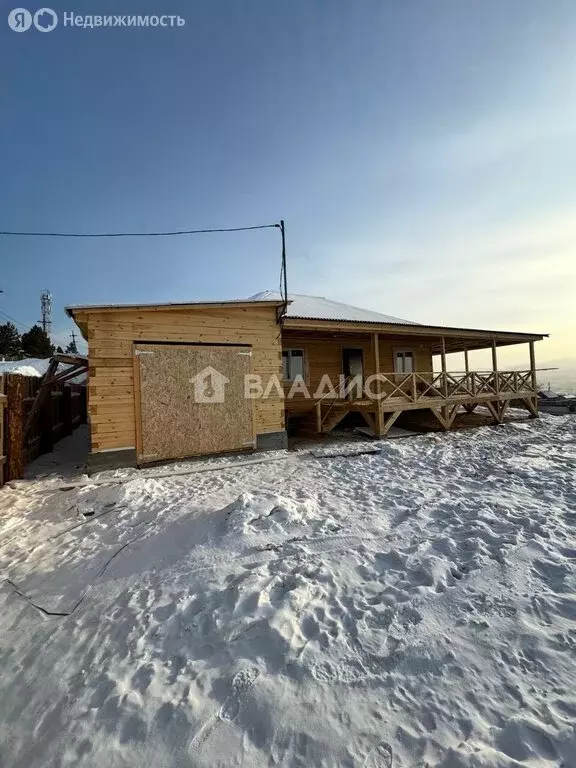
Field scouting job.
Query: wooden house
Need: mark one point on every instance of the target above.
(175, 380)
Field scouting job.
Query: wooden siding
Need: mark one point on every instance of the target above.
(111, 336)
(323, 355)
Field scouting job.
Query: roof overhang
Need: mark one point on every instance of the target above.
(74, 308)
(80, 312)
(455, 339)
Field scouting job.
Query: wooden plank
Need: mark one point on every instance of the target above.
(137, 406)
(389, 420)
(15, 429)
(533, 366)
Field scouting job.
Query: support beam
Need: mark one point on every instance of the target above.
(443, 357)
(376, 350)
(533, 366)
(370, 419)
(319, 416)
(531, 405)
(497, 409)
(495, 367)
(385, 420)
(332, 420)
(466, 363)
(445, 415)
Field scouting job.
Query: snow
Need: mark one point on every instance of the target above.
(30, 366)
(319, 308)
(35, 366)
(412, 606)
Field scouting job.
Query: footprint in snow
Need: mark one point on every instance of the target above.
(380, 756)
(242, 682)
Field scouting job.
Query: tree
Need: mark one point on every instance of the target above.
(72, 348)
(59, 349)
(35, 343)
(10, 342)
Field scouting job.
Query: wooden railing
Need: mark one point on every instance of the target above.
(420, 387)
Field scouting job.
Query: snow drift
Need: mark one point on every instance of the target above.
(407, 608)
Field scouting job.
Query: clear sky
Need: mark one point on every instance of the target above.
(423, 155)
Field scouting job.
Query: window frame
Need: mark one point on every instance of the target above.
(288, 351)
(404, 351)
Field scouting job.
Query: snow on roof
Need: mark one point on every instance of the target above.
(35, 366)
(319, 308)
(31, 366)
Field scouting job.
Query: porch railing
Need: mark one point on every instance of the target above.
(420, 387)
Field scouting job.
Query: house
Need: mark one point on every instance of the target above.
(175, 380)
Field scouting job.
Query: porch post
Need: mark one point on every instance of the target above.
(466, 364)
(443, 354)
(533, 365)
(376, 343)
(495, 367)
(379, 416)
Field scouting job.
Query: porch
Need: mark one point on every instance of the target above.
(381, 374)
(386, 396)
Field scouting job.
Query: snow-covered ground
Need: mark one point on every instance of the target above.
(411, 607)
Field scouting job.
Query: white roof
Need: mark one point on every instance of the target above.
(37, 367)
(319, 308)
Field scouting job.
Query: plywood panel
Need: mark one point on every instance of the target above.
(173, 423)
(112, 336)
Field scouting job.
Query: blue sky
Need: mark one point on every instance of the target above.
(422, 155)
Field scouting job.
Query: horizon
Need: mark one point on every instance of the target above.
(422, 157)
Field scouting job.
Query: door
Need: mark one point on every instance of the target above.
(190, 400)
(353, 367)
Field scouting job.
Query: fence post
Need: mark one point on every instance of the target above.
(15, 426)
(66, 411)
(3, 458)
(47, 422)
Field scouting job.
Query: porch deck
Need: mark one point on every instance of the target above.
(386, 395)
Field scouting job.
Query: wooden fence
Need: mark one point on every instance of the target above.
(58, 416)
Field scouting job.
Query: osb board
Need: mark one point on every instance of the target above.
(172, 424)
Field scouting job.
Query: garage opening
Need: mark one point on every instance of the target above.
(190, 400)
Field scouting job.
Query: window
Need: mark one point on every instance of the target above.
(292, 364)
(403, 361)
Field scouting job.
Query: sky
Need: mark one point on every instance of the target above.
(422, 154)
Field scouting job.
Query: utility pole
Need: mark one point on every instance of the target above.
(284, 285)
(46, 309)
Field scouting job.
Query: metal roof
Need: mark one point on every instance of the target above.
(319, 308)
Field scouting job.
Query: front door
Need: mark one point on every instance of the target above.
(353, 368)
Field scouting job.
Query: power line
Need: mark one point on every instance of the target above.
(13, 320)
(138, 234)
